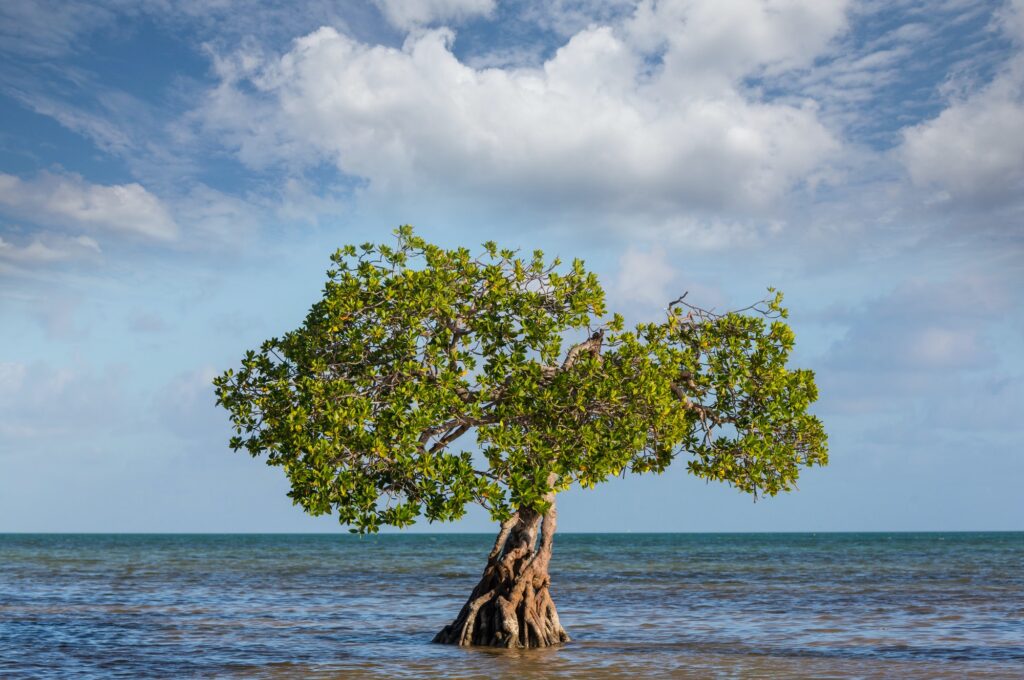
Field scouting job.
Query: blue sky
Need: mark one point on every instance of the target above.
(173, 178)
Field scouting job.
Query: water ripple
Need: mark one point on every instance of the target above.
(800, 605)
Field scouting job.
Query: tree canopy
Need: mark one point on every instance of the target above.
(426, 379)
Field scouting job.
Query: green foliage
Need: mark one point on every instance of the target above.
(367, 406)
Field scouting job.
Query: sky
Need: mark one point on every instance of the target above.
(175, 174)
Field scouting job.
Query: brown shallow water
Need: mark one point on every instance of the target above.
(658, 605)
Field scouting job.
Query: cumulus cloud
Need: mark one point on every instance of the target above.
(595, 128)
(70, 201)
(973, 151)
(409, 13)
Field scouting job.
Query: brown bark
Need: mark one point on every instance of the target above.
(511, 606)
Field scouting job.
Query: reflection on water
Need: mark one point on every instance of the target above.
(697, 605)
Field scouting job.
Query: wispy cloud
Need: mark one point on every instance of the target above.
(49, 28)
(49, 248)
(174, 174)
(407, 14)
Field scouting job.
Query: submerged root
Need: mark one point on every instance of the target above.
(511, 606)
(522, 615)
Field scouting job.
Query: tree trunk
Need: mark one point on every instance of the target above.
(511, 606)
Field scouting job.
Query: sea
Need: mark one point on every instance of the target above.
(842, 605)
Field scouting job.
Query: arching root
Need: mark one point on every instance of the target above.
(511, 606)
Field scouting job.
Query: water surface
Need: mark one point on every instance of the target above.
(657, 605)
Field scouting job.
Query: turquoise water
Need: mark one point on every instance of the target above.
(656, 605)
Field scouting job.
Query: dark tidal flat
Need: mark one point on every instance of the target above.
(924, 605)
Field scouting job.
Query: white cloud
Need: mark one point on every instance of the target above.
(49, 248)
(924, 325)
(48, 28)
(973, 152)
(216, 218)
(70, 201)
(187, 405)
(714, 42)
(647, 280)
(110, 135)
(43, 400)
(410, 13)
(644, 277)
(855, 72)
(593, 129)
(709, 232)
(921, 341)
(1011, 17)
(942, 346)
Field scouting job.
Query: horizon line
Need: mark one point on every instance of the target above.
(485, 533)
